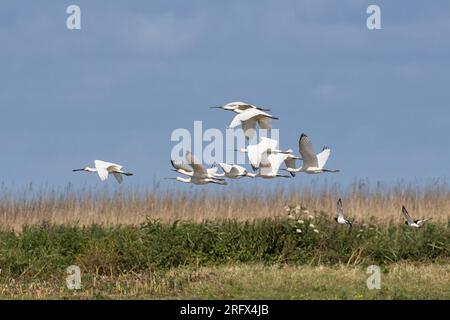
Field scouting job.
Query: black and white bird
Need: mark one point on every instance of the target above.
(312, 163)
(410, 221)
(340, 211)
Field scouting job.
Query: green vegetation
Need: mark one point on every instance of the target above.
(42, 251)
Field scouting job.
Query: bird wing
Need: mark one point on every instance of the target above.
(180, 166)
(102, 173)
(266, 171)
(249, 127)
(340, 209)
(322, 157)
(212, 171)
(246, 115)
(242, 106)
(254, 156)
(107, 165)
(225, 167)
(239, 170)
(118, 177)
(197, 167)
(275, 160)
(307, 152)
(235, 171)
(265, 123)
(290, 163)
(267, 144)
(407, 216)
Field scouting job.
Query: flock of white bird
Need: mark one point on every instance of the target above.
(265, 159)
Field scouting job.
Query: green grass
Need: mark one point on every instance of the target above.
(244, 281)
(40, 252)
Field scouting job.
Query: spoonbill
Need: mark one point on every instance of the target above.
(188, 171)
(248, 120)
(235, 171)
(104, 168)
(340, 218)
(239, 107)
(258, 153)
(312, 163)
(196, 172)
(411, 222)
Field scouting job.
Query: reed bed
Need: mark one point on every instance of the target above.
(363, 201)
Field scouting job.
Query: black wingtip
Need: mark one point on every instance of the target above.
(303, 136)
(340, 201)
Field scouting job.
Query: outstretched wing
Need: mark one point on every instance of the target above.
(265, 123)
(246, 115)
(275, 160)
(180, 166)
(102, 168)
(249, 127)
(198, 168)
(322, 157)
(340, 209)
(407, 216)
(307, 152)
(118, 177)
(225, 167)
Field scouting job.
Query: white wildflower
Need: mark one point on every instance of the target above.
(301, 221)
(298, 230)
(316, 231)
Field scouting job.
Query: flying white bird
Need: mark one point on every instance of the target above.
(271, 171)
(248, 120)
(196, 172)
(312, 163)
(340, 218)
(258, 153)
(104, 168)
(239, 107)
(411, 222)
(235, 172)
(188, 171)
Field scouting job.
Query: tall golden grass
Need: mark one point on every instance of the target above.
(362, 201)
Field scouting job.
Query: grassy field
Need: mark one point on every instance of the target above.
(244, 281)
(283, 246)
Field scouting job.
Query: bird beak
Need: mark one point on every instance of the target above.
(216, 107)
(75, 170)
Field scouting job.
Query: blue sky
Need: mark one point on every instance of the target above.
(117, 88)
